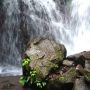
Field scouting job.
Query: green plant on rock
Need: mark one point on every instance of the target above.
(24, 80)
(30, 76)
(25, 62)
(34, 80)
(62, 78)
(56, 66)
(40, 83)
(87, 76)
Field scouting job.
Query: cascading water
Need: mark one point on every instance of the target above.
(22, 20)
(81, 22)
(9, 54)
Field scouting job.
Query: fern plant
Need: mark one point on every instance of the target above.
(30, 76)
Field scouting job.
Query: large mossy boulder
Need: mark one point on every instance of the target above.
(45, 55)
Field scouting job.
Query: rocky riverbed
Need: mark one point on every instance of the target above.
(11, 83)
(46, 66)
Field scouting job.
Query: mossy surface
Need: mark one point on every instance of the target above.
(59, 53)
(87, 76)
(67, 77)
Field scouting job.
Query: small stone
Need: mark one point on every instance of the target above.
(68, 63)
(80, 69)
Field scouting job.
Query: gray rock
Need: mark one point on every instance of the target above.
(68, 63)
(45, 55)
(62, 82)
(87, 65)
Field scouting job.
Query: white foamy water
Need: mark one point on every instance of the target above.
(9, 70)
(81, 15)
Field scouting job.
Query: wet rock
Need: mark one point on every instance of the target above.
(80, 85)
(87, 77)
(63, 69)
(45, 55)
(68, 77)
(77, 60)
(64, 81)
(87, 65)
(80, 69)
(85, 54)
(81, 61)
(68, 63)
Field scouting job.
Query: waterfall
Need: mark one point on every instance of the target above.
(66, 21)
(81, 22)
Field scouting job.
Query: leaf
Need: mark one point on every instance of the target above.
(44, 84)
(22, 81)
(39, 85)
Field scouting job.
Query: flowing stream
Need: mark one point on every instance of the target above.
(66, 21)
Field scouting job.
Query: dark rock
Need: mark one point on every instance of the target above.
(56, 85)
(86, 55)
(78, 59)
(62, 82)
(80, 85)
(81, 61)
(64, 69)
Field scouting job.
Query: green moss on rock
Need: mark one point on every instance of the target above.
(69, 76)
(87, 76)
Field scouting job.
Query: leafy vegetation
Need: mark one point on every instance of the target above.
(30, 76)
(25, 62)
(55, 67)
(87, 76)
(63, 78)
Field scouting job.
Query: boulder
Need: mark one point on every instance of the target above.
(85, 54)
(45, 55)
(64, 81)
(78, 59)
(68, 77)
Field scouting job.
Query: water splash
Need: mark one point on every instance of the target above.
(81, 20)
